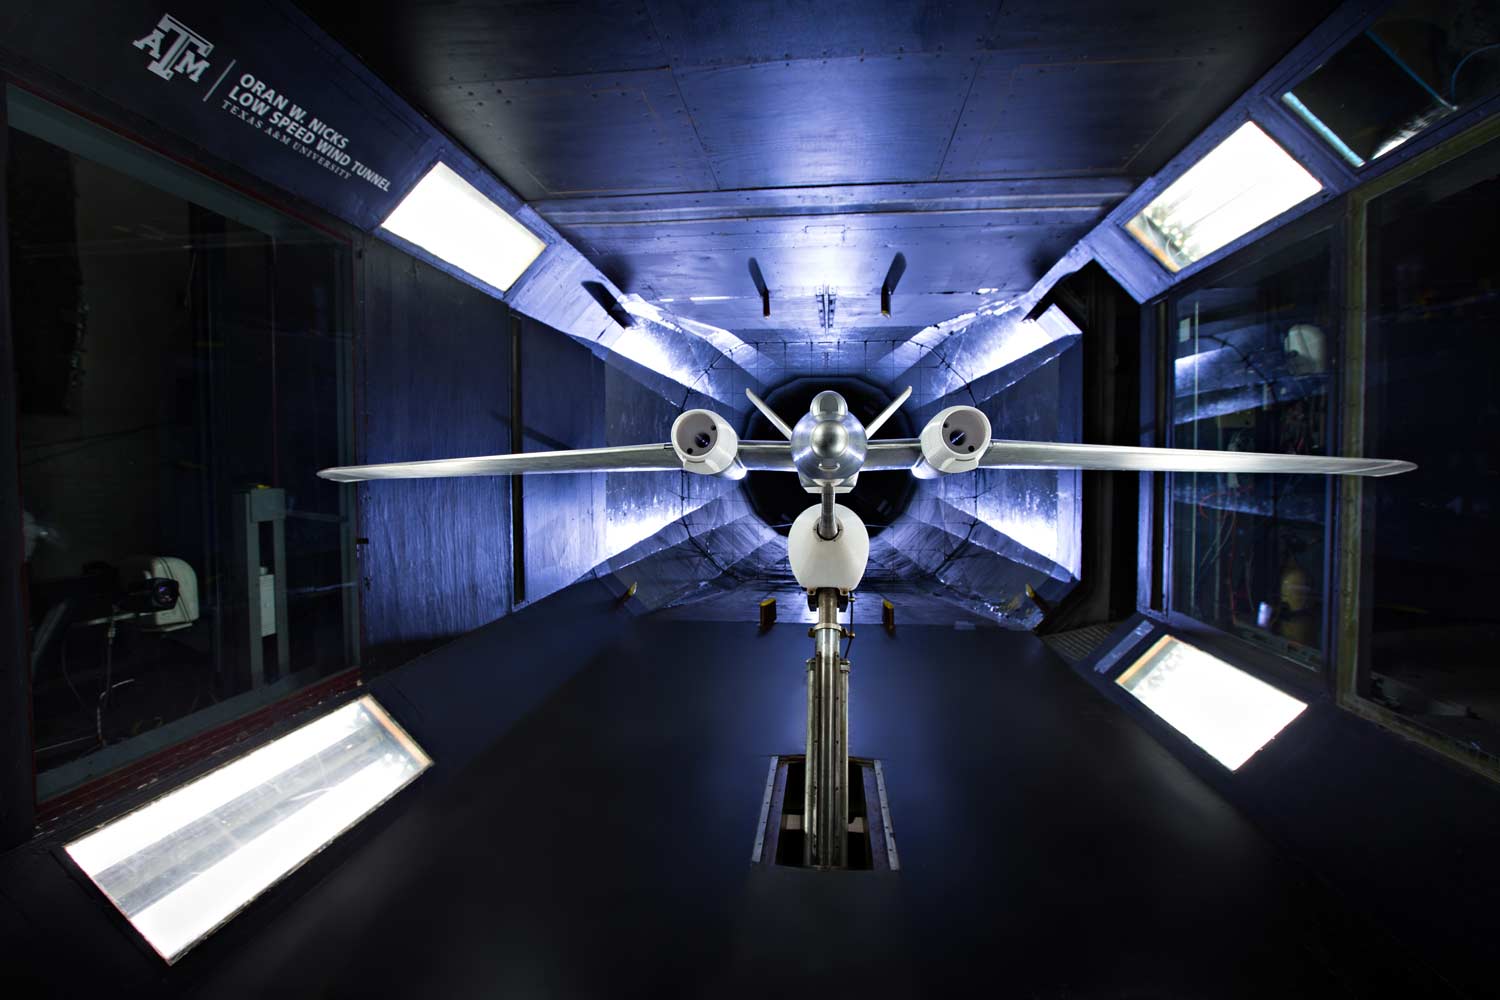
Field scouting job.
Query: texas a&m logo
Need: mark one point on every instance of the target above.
(176, 48)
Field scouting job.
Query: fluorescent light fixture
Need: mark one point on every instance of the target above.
(1224, 710)
(452, 220)
(1244, 181)
(709, 298)
(184, 864)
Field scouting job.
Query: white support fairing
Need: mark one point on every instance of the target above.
(837, 562)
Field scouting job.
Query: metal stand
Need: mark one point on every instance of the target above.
(826, 803)
(254, 508)
(828, 524)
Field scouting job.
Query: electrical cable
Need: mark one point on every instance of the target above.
(849, 632)
(63, 659)
(87, 442)
(1453, 80)
(109, 662)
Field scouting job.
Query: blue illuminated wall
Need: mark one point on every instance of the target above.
(971, 544)
(434, 383)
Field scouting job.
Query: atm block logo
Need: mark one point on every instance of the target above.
(176, 48)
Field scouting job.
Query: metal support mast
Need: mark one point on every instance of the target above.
(826, 795)
(828, 525)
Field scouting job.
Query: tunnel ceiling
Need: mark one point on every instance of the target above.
(955, 150)
(672, 140)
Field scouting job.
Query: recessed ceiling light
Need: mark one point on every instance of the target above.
(1244, 181)
(186, 862)
(1222, 709)
(455, 222)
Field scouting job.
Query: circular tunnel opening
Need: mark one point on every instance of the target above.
(778, 497)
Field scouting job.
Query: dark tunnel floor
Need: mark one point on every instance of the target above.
(602, 848)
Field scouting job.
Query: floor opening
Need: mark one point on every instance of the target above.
(780, 838)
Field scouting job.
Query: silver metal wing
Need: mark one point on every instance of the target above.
(628, 458)
(773, 456)
(903, 454)
(776, 456)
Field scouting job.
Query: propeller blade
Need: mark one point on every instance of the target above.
(886, 414)
(627, 458)
(770, 414)
(1043, 455)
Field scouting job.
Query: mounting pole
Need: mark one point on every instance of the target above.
(828, 525)
(825, 807)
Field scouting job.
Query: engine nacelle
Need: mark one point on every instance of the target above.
(706, 444)
(837, 562)
(953, 441)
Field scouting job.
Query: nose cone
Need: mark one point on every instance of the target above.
(828, 443)
(829, 439)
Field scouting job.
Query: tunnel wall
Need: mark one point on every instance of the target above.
(436, 380)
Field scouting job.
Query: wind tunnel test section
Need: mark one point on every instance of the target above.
(1118, 382)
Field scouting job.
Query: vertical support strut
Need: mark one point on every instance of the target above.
(828, 525)
(826, 803)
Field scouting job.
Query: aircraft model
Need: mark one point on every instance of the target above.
(828, 545)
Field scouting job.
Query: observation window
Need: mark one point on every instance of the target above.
(184, 864)
(183, 369)
(1229, 714)
(1432, 396)
(1253, 346)
(1243, 182)
(1422, 62)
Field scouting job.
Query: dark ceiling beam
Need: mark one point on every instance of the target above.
(1016, 195)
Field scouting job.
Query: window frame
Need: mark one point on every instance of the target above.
(1355, 598)
(1287, 81)
(1330, 219)
(179, 756)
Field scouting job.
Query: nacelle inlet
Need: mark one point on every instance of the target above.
(953, 441)
(706, 444)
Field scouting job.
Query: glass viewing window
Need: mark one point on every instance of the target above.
(454, 221)
(1430, 586)
(177, 342)
(1422, 62)
(184, 864)
(1226, 712)
(1243, 182)
(1254, 342)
